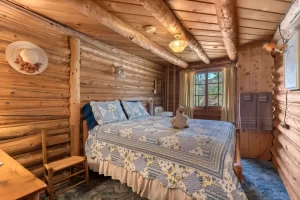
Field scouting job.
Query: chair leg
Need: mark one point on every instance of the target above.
(87, 176)
(50, 184)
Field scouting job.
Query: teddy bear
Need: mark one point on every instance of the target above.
(180, 120)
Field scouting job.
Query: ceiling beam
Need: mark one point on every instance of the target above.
(290, 24)
(161, 11)
(227, 23)
(213, 64)
(94, 11)
(122, 56)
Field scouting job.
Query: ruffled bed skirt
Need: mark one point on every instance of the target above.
(151, 189)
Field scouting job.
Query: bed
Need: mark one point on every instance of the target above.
(159, 162)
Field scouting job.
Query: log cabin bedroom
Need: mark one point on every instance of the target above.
(150, 99)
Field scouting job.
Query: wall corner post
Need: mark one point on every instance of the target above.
(74, 101)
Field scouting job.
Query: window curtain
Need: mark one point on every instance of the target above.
(229, 93)
(186, 91)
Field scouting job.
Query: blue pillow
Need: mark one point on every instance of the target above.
(107, 112)
(89, 116)
(124, 108)
(134, 109)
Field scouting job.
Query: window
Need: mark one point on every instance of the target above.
(208, 88)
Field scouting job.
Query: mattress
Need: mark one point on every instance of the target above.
(198, 160)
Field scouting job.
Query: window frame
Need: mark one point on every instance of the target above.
(206, 106)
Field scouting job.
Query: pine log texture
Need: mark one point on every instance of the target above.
(163, 13)
(94, 11)
(286, 148)
(74, 81)
(228, 25)
(31, 103)
(38, 20)
(289, 25)
(254, 74)
(99, 83)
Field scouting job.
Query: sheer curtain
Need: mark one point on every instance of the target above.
(186, 92)
(229, 93)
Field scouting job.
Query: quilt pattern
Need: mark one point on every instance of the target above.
(107, 112)
(198, 159)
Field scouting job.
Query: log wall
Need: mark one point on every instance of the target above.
(31, 103)
(254, 74)
(99, 83)
(286, 148)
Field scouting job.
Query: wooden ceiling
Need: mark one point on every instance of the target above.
(257, 21)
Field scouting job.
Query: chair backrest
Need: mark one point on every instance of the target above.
(44, 146)
(51, 141)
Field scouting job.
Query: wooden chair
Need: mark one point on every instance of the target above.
(77, 164)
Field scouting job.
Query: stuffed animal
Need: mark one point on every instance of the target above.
(180, 120)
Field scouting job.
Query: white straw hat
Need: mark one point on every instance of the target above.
(26, 57)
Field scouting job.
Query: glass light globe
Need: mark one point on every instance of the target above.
(178, 45)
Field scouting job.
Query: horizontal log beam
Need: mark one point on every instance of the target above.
(19, 130)
(31, 143)
(289, 146)
(227, 23)
(91, 41)
(94, 11)
(161, 11)
(290, 133)
(114, 60)
(290, 179)
(283, 177)
(290, 24)
(36, 158)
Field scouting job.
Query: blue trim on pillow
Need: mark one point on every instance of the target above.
(129, 112)
(89, 116)
(124, 108)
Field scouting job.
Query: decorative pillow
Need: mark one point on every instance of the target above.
(89, 116)
(134, 109)
(107, 112)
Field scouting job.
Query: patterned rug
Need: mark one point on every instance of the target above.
(260, 182)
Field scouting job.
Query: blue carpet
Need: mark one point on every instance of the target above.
(261, 181)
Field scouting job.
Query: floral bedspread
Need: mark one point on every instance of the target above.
(197, 159)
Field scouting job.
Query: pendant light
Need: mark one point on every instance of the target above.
(178, 45)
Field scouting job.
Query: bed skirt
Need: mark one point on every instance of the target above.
(145, 187)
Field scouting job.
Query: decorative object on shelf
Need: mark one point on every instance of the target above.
(119, 71)
(150, 29)
(178, 45)
(180, 121)
(26, 57)
(291, 63)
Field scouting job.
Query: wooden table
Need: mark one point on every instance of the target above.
(16, 182)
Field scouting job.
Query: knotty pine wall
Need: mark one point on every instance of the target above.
(171, 88)
(254, 74)
(31, 103)
(99, 83)
(286, 148)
